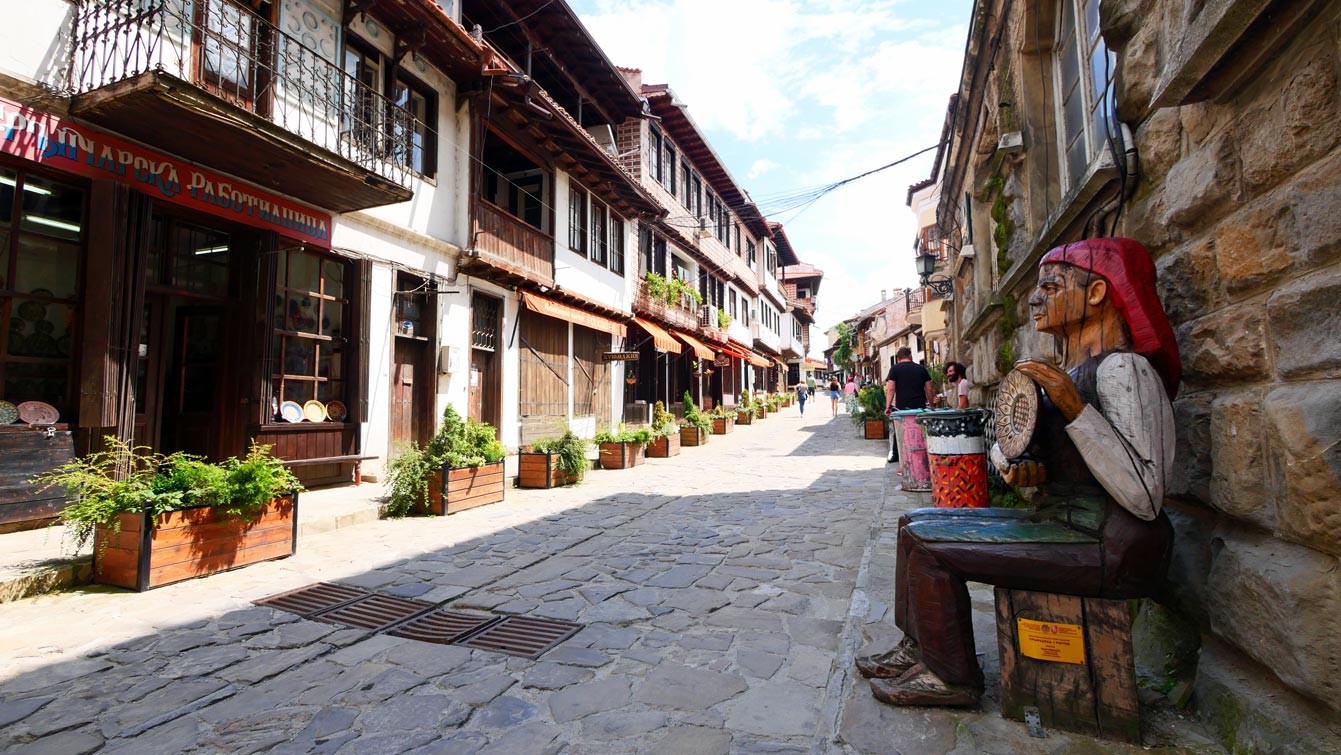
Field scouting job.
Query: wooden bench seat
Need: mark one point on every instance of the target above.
(354, 459)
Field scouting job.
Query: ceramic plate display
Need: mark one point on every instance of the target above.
(336, 411)
(314, 411)
(291, 411)
(1016, 414)
(38, 413)
(8, 413)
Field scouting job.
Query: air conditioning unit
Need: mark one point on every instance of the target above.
(709, 315)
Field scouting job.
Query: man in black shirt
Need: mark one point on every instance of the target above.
(908, 386)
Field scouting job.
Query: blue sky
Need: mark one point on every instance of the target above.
(795, 95)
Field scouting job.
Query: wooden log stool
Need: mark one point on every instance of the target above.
(1071, 658)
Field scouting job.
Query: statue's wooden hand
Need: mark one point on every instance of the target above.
(1058, 386)
(1025, 474)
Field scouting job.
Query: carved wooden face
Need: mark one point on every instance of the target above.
(1066, 296)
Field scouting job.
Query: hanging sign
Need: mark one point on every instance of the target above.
(619, 356)
(721, 360)
(1050, 641)
(46, 139)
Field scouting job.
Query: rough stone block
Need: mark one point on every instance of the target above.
(1310, 226)
(1304, 429)
(1139, 72)
(1160, 141)
(1239, 470)
(1191, 477)
(1280, 132)
(1190, 566)
(1228, 346)
(1188, 281)
(1306, 326)
(1201, 183)
(1278, 602)
(1248, 249)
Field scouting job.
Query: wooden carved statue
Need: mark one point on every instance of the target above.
(1098, 455)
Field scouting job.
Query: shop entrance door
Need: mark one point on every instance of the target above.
(178, 402)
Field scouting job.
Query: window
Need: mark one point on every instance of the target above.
(739, 249)
(645, 250)
(686, 195)
(577, 220)
(1083, 70)
(751, 253)
(670, 169)
(772, 259)
(412, 145)
(616, 244)
(310, 336)
(405, 140)
(600, 241)
(698, 197)
(731, 298)
(41, 240)
(362, 118)
(654, 143)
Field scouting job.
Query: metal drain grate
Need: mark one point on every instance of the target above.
(306, 601)
(522, 636)
(442, 627)
(374, 612)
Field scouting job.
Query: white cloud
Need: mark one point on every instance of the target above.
(760, 167)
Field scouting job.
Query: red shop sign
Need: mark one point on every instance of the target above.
(47, 139)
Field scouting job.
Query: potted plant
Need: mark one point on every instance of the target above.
(622, 448)
(696, 426)
(871, 413)
(553, 462)
(774, 401)
(723, 420)
(723, 320)
(461, 467)
(157, 519)
(745, 409)
(665, 434)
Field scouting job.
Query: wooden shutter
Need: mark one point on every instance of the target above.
(360, 300)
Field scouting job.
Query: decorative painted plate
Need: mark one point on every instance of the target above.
(336, 411)
(8, 413)
(38, 413)
(291, 411)
(1016, 414)
(314, 411)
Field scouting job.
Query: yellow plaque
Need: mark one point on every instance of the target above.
(1050, 641)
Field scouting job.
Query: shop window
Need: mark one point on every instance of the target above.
(310, 342)
(41, 240)
(187, 257)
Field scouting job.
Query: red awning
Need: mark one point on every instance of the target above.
(551, 308)
(733, 351)
(660, 338)
(701, 351)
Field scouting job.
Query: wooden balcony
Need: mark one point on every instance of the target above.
(505, 243)
(682, 315)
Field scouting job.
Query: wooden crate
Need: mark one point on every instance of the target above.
(187, 543)
(876, 429)
(693, 436)
(723, 425)
(664, 447)
(621, 455)
(454, 489)
(537, 470)
(28, 452)
(1097, 697)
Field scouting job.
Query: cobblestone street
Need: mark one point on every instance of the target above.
(724, 593)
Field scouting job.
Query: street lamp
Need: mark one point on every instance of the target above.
(926, 265)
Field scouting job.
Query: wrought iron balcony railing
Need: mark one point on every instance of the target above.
(223, 48)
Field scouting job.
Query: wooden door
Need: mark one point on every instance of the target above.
(194, 394)
(486, 379)
(406, 374)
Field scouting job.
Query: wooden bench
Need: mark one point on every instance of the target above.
(357, 461)
(1096, 696)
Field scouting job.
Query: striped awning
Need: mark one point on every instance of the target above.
(559, 310)
(700, 350)
(660, 338)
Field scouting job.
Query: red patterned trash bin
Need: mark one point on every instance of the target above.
(957, 449)
(912, 450)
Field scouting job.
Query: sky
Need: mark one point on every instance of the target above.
(795, 95)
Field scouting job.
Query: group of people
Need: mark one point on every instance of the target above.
(908, 386)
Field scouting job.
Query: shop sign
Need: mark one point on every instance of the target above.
(619, 356)
(48, 140)
(1050, 641)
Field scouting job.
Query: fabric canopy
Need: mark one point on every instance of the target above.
(660, 338)
(551, 308)
(700, 351)
(734, 351)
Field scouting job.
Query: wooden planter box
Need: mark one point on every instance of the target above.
(723, 425)
(772, 410)
(621, 455)
(151, 552)
(876, 429)
(761, 413)
(454, 489)
(744, 418)
(537, 470)
(693, 436)
(664, 448)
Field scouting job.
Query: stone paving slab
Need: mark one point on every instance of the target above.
(723, 592)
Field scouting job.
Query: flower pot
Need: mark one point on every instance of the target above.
(454, 489)
(744, 418)
(723, 425)
(876, 429)
(664, 447)
(537, 470)
(621, 455)
(152, 551)
(693, 436)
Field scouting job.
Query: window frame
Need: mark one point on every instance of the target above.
(1085, 37)
(280, 374)
(428, 122)
(577, 219)
(616, 249)
(598, 228)
(656, 143)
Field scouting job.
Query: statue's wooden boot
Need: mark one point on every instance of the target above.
(920, 686)
(891, 664)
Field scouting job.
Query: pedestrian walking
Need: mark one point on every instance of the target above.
(850, 391)
(907, 386)
(801, 395)
(810, 384)
(835, 391)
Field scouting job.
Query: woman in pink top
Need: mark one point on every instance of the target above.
(850, 392)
